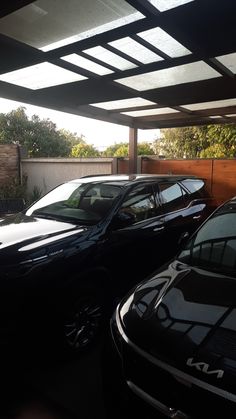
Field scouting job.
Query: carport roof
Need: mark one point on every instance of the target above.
(140, 63)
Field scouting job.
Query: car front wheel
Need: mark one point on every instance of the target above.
(84, 322)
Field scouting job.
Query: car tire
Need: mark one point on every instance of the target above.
(86, 315)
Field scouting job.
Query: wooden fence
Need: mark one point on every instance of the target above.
(220, 174)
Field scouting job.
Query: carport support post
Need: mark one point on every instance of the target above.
(133, 135)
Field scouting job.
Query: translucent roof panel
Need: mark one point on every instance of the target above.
(146, 112)
(164, 42)
(164, 5)
(233, 115)
(46, 24)
(228, 61)
(170, 76)
(136, 50)
(215, 116)
(210, 105)
(123, 103)
(136, 55)
(109, 57)
(87, 64)
(40, 75)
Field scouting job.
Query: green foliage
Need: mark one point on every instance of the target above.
(71, 138)
(84, 150)
(111, 150)
(144, 149)
(40, 137)
(209, 141)
(13, 189)
(122, 150)
(222, 142)
(34, 195)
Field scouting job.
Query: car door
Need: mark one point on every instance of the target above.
(136, 248)
(181, 216)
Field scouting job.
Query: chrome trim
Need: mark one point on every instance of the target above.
(167, 411)
(172, 370)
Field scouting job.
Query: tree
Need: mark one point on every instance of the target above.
(222, 141)
(84, 150)
(40, 137)
(14, 127)
(192, 142)
(111, 150)
(45, 141)
(145, 149)
(122, 150)
(71, 138)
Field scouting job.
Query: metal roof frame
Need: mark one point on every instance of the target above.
(205, 27)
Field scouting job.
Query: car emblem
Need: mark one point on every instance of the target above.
(203, 367)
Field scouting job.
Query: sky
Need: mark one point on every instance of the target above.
(100, 134)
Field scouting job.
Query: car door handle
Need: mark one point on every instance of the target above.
(158, 228)
(196, 217)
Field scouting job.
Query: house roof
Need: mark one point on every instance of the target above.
(140, 63)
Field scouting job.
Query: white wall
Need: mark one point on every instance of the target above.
(46, 173)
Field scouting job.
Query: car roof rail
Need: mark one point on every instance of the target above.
(94, 175)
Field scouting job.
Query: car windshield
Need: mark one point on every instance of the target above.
(213, 247)
(76, 202)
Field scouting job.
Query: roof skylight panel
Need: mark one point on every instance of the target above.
(46, 27)
(228, 61)
(164, 42)
(135, 50)
(186, 73)
(210, 105)
(87, 64)
(123, 103)
(163, 5)
(40, 76)
(146, 112)
(215, 116)
(109, 57)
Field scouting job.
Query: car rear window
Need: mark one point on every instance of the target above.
(195, 186)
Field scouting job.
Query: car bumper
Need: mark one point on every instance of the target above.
(167, 389)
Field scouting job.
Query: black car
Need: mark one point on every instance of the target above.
(66, 257)
(176, 331)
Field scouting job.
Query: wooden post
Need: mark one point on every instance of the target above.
(133, 135)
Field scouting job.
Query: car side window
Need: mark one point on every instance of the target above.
(172, 196)
(196, 188)
(140, 202)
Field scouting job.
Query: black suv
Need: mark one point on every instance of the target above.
(83, 244)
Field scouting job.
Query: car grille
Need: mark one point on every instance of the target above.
(172, 391)
(223, 342)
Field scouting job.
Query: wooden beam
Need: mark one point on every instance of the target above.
(133, 136)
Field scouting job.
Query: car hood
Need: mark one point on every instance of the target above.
(186, 317)
(21, 236)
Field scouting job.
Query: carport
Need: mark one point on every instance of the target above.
(141, 63)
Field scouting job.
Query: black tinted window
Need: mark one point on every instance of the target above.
(140, 202)
(172, 196)
(214, 246)
(195, 187)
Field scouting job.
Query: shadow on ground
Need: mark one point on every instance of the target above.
(86, 387)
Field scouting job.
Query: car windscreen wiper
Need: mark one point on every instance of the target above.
(41, 214)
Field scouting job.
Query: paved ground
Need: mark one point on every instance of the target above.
(84, 388)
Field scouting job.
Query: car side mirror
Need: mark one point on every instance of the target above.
(123, 219)
(183, 238)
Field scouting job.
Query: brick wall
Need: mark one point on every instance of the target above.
(9, 163)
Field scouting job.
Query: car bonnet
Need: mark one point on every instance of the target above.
(186, 317)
